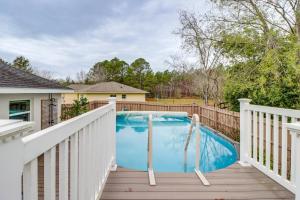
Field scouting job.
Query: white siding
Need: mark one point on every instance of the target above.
(35, 106)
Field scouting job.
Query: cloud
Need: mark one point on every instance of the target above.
(127, 30)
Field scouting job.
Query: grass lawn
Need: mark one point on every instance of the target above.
(182, 101)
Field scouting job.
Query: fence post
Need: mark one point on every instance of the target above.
(112, 100)
(244, 130)
(216, 118)
(11, 157)
(200, 113)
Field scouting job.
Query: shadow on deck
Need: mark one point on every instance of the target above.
(234, 182)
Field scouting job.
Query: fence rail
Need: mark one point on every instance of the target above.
(225, 121)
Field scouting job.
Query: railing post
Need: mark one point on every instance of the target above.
(297, 167)
(112, 100)
(245, 127)
(295, 129)
(11, 158)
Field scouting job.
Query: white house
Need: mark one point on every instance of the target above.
(29, 97)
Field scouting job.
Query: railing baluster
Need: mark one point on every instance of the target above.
(249, 133)
(255, 135)
(93, 165)
(106, 144)
(30, 180)
(293, 154)
(93, 162)
(63, 170)
(284, 149)
(89, 161)
(74, 167)
(49, 174)
(98, 153)
(81, 166)
(276, 144)
(268, 140)
(86, 160)
(261, 138)
(102, 168)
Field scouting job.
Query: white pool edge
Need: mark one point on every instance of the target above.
(154, 113)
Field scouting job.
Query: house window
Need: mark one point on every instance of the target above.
(113, 95)
(19, 109)
(123, 96)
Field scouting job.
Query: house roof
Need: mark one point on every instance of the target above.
(106, 87)
(11, 77)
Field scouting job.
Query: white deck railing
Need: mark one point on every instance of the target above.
(86, 146)
(267, 144)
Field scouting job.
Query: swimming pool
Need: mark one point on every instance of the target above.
(169, 136)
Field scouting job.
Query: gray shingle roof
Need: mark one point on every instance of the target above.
(106, 87)
(11, 77)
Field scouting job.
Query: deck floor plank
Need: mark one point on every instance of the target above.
(234, 182)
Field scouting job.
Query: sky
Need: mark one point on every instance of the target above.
(67, 36)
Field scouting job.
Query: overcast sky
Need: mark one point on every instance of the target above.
(66, 36)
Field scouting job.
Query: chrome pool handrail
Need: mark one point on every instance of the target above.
(195, 122)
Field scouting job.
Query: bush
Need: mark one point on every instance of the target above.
(78, 107)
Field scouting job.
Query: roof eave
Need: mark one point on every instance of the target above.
(112, 92)
(14, 90)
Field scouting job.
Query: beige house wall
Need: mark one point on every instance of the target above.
(69, 98)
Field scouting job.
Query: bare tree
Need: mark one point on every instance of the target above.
(199, 37)
(44, 73)
(264, 15)
(97, 73)
(81, 77)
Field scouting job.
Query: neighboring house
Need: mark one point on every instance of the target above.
(101, 91)
(29, 97)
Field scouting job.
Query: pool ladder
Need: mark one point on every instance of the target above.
(195, 123)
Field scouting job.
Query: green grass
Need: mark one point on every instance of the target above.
(181, 101)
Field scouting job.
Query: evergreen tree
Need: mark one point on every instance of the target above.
(22, 63)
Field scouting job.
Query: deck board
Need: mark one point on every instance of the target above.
(234, 182)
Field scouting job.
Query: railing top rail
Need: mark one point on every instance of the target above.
(40, 142)
(293, 126)
(11, 128)
(274, 110)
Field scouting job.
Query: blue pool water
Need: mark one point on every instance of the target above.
(169, 136)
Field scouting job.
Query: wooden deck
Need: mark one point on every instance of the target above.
(234, 182)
